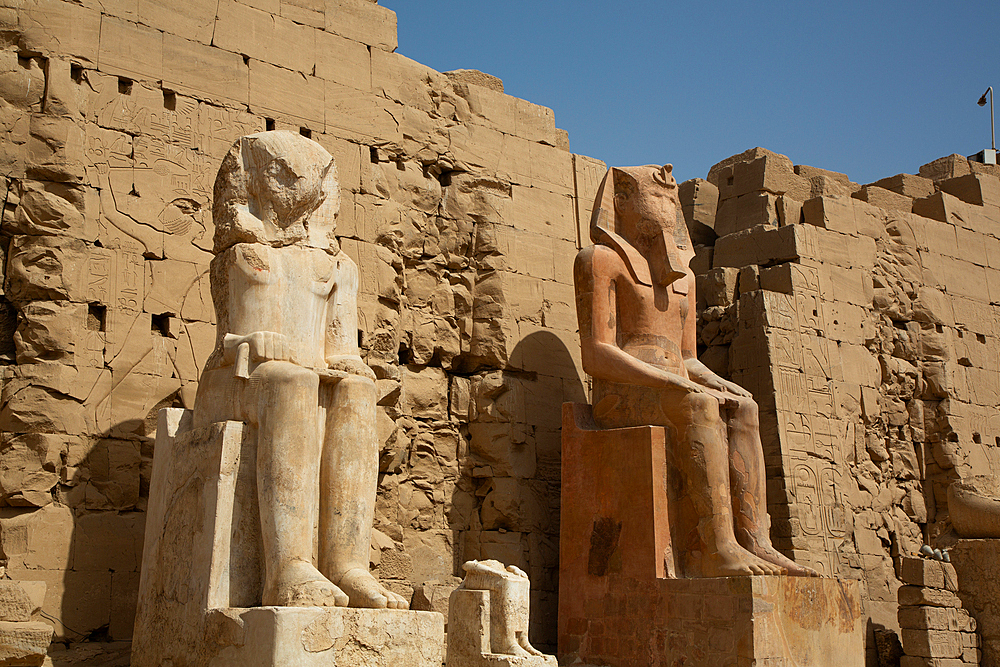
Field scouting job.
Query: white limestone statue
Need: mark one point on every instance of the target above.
(488, 618)
(287, 363)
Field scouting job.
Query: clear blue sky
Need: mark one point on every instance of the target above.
(871, 88)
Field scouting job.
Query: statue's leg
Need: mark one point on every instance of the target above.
(285, 408)
(704, 459)
(748, 480)
(348, 482)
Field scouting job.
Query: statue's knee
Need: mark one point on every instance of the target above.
(356, 386)
(702, 404)
(747, 407)
(284, 373)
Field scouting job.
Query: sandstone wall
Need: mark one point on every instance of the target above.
(460, 207)
(864, 319)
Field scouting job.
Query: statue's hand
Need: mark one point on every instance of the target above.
(682, 384)
(264, 346)
(729, 387)
(350, 364)
(734, 388)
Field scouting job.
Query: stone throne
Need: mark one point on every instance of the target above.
(259, 520)
(665, 556)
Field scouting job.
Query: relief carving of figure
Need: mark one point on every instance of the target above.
(287, 363)
(636, 310)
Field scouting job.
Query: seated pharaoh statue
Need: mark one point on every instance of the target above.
(286, 363)
(637, 316)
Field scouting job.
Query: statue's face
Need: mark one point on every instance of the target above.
(650, 220)
(292, 187)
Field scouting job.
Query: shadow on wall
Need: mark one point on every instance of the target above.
(87, 544)
(506, 502)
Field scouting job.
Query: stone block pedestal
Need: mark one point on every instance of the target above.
(320, 637)
(719, 622)
(622, 599)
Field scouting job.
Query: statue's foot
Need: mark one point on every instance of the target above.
(512, 647)
(523, 641)
(299, 584)
(364, 590)
(733, 560)
(772, 555)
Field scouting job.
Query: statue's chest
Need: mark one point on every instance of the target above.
(268, 269)
(657, 307)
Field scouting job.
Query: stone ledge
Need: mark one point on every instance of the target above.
(314, 636)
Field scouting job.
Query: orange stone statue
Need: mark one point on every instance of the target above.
(635, 300)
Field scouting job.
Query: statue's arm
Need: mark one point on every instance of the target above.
(342, 353)
(698, 371)
(594, 273)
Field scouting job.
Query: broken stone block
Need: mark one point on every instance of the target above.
(932, 643)
(46, 268)
(30, 466)
(25, 643)
(39, 539)
(424, 392)
(760, 245)
(46, 209)
(825, 182)
(931, 597)
(363, 21)
(976, 189)
(746, 211)
(475, 78)
(883, 198)
(55, 149)
(835, 213)
(908, 185)
(699, 202)
(15, 603)
(35, 409)
(714, 173)
(945, 168)
(49, 331)
(718, 287)
(926, 572)
(771, 173)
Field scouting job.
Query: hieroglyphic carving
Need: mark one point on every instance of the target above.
(219, 127)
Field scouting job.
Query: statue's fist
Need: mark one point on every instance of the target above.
(260, 346)
(269, 346)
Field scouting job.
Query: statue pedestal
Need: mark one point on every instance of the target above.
(719, 621)
(200, 588)
(322, 636)
(619, 601)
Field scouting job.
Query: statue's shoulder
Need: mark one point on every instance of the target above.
(599, 260)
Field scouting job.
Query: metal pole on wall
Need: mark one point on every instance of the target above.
(982, 103)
